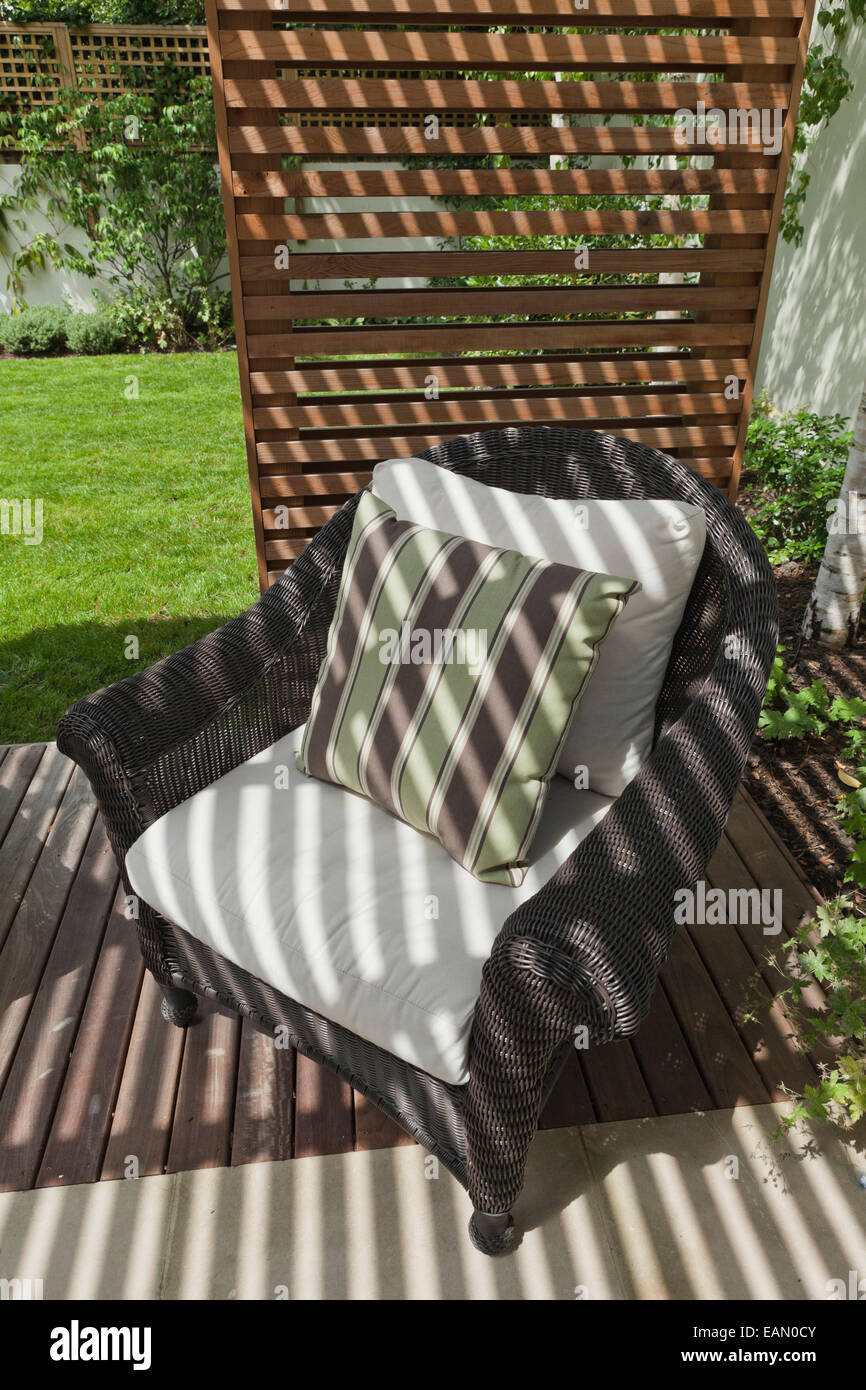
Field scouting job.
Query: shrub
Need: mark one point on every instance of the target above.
(93, 335)
(147, 321)
(799, 462)
(144, 193)
(35, 332)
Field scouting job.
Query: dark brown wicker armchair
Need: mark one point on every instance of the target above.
(584, 950)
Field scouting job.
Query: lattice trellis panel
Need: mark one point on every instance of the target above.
(102, 54)
(564, 135)
(31, 71)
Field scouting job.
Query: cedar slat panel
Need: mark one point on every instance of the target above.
(362, 265)
(503, 410)
(459, 303)
(417, 94)
(279, 487)
(409, 49)
(313, 485)
(486, 373)
(378, 447)
(413, 183)
(376, 84)
(572, 222)
(642, 333)
(387, 142)
(521, 11)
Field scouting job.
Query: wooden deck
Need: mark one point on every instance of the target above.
(95, 1085)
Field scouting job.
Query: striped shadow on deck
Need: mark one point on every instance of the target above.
(95, 1085)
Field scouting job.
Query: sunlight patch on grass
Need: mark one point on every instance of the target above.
(147, 524)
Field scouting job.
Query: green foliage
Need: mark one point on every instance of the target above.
(798, 714)
(35, 332)
(799, 461)
(143, 193)
(94, 334)
(832, 951)
(80, 12)
(147, 321)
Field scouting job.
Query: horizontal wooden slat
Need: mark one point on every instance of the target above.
(483, 12)
(455, 140)
(313, 484)
(556, 301)
(410, 94)
(437, 183)
(468, 408)
(488, 373)
(408, 50)
(369, 265)
(315, 342)
(585, 222)
(354, 448)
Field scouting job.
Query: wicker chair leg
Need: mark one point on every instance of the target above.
(491, 1233)
(178, 1005)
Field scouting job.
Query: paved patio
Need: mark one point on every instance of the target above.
(673, 1207)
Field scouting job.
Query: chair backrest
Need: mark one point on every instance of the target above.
(404, 149)
(733, 597)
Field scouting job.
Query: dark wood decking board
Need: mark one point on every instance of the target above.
(99, 1086)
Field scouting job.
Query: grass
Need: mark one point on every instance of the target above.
(147, 525)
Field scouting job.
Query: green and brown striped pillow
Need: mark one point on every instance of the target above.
(451, 676)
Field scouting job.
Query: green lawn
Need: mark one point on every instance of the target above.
(147, 525)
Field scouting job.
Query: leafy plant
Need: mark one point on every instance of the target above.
(92, 335)
(35, 332)
(790, 713)
(826, 84)
(146, 321)
(81, 12)
(832, 951)
(143, 193)
(798, 460)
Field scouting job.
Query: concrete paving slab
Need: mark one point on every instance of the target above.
(682, 1207)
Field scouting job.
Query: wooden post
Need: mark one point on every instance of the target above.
(237, 289)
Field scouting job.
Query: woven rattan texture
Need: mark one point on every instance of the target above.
(587, 948)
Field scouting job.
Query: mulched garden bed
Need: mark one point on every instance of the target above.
(796, 782)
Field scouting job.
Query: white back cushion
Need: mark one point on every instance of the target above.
(658, 542)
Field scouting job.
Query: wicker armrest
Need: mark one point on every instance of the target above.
(154, 739)
(595, 936)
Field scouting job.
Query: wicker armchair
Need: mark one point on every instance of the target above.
(584, 950)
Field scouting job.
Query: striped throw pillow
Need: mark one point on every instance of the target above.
(451, 676)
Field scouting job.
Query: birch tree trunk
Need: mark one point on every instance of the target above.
(833, 614)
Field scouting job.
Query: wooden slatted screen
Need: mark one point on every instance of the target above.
(388, 169)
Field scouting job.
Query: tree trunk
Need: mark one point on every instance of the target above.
(833, 614)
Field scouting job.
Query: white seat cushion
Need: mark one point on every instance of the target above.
(658, 542)
(337, 904)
